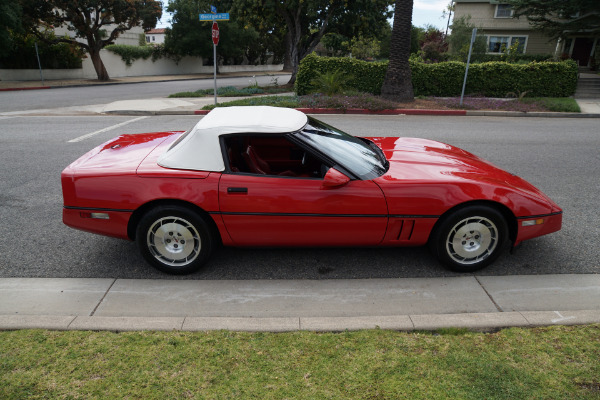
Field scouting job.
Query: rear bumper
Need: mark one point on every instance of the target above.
(537, 225)
(100, 221)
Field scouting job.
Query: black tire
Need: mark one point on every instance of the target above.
(470, 238)
(174, 239)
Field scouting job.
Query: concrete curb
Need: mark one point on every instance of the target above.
(26, 88)
(354, 111)
(427, 322)
(538, 114)
(400, 111)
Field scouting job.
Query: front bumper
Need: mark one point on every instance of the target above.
(537, 225)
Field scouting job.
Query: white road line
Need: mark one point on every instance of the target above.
(89, 135)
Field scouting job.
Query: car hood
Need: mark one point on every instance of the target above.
(440, 167)
(412, 158)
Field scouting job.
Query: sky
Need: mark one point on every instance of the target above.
(429, 12)
(425, 12)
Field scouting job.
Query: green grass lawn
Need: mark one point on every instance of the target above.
(540, 363)
(557, 104)
(231, 91)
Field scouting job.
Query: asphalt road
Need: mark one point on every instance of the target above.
(560, 156)
(102, 94)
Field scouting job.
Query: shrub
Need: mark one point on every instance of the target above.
(515, 58)
(543, 79)
(492, 79)
(130, 53)
(330, 82)
(368, 76)
(22, 55)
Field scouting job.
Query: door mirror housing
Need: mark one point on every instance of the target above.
(334, 178)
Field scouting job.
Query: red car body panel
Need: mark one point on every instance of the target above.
(425, 180)
(282, 211)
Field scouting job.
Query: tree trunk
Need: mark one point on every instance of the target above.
(287, 60)
(98, 64)
(292, 41)
(294, 62)
(397, 84)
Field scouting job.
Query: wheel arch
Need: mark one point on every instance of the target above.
(143, 209)
(508, 215)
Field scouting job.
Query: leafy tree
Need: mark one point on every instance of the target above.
(385, 38)
(189, 36)
(365, 48)
(434, 47)
(372, 44)
(460, 39)
(97, 22)
(307, 21)
(416, 38)
(397, 84)
(560, 17)
(339, 44)
(23, 54)
(10, 21)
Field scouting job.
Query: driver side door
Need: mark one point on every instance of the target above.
(297, 209)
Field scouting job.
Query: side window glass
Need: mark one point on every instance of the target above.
(271, 156)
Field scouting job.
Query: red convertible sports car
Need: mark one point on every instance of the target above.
(263, 176)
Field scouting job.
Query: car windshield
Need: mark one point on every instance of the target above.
(360, 156)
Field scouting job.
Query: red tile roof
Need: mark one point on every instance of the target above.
(155, 31)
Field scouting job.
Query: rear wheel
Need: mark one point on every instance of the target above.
(470, 238)
(174, 239)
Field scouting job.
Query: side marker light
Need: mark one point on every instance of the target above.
(94, 215)
(533, 222)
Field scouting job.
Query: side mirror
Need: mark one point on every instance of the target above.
(334, 178)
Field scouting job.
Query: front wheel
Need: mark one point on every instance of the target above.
(174, 239)
(470, 238)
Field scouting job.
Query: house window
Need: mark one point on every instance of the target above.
(497, 44)
(521, 40)
(153, 39)
(503, 11)
(147, 39)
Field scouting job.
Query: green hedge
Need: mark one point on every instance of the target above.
(367, 76)
(490, 79)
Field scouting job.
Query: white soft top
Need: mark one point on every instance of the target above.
(200, 149)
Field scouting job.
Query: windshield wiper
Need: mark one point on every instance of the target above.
(384, 162)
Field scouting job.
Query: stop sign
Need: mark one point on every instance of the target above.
(215, 33)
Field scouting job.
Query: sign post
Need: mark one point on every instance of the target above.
(214, 17)
(473, 36)
(215, 39)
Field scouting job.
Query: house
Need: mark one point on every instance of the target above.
(155, 36)
(503, 30)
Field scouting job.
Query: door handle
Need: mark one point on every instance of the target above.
(237, 190)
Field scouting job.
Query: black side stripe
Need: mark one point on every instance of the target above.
(541, 215)
(323, 215)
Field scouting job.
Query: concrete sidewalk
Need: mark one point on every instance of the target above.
(476, 302)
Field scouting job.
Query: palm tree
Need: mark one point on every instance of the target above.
(398, 84)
